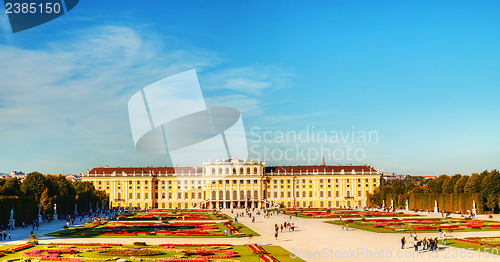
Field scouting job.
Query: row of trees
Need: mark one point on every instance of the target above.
(46, 190)
(485, 187)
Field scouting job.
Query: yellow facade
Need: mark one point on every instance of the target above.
(235, 183)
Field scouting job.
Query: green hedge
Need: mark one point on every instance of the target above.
(25, 209)
(446, 202)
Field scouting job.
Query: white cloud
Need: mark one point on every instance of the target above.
(251, 80)
(63, 106)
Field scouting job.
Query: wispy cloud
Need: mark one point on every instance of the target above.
(63, 105)
(250, 80)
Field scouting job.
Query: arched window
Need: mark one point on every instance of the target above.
(255, 171)
(213, 170)
(348, 193)
(242, 194)
(235, 195)
(220, 170)
(249, 194)
(248, 171)
(214, 195)
(255, 194)
(221, 195)
(228, 195)
(119, 195)
(241, 171)
(227, 170)
(234, 171)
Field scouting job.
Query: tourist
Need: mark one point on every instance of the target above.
(9, 235)
(347, 226)
(276, 235)
(444, 238)
(440, 233)
(225, 233)
(424, 243)
(403, 242)
(415, 244)
(293, 226)
(281, 228)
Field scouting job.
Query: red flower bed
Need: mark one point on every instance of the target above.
(84, 244)
(255, 248)
(268, 258)
(18, 247)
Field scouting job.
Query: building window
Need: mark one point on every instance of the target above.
(255, 171)
(138, 195)
(336, 193)
(248, 171)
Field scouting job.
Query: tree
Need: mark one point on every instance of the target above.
(436, 185)
(47, 201)
(491, 202)
(34, 184)
(473, 185)
(63, 186)
(11, 187)
(460, 185)
(449, 185)
(491, 184)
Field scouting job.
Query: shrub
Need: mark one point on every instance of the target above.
(139, 244)
(32, 242)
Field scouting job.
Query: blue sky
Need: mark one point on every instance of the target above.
(422, 75)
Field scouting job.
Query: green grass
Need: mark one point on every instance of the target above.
(475, 247)
(61, 233)
(406, 230)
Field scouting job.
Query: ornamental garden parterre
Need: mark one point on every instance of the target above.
(169, 214)
(156, 229)
(87, 252)
(396, 225)
(339, 213)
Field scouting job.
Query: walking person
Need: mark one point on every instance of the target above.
(403, 242)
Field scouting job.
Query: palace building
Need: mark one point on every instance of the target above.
(236, 183)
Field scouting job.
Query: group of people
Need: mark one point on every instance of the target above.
(287, 226)
(430, 244)
(4, 235)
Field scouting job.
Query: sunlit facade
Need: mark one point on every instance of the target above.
(236, 183)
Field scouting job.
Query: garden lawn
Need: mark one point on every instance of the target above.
(423, 225)
(168, 252)
(338, 213)
(484, 244)
(155, 230)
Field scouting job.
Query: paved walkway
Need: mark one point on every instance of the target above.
(20, 234)
(315, 241)
(312, 240)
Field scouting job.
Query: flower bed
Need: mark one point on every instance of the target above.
(157, 229)
(18, 247)
(422, 224)
(169, 252)
(185, 214)
(338, 213)
(490, 241)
